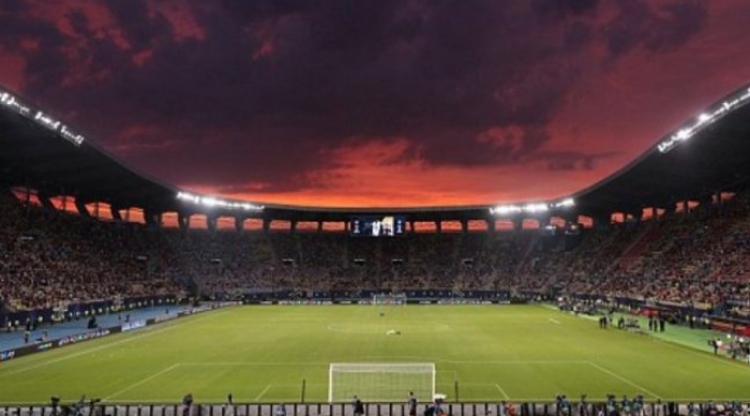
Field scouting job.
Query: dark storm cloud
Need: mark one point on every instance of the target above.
(571, 160)
(563, 8)
(273, 84)
(657, 29)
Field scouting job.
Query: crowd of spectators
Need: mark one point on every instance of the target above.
(697, 259)
(49, 258)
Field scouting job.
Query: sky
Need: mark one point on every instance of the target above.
(375, 103)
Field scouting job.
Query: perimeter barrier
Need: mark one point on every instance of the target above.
(510, 408)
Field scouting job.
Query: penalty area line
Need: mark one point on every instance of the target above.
(138, 383)
(262, 393)
(623, 379)
(500, 389)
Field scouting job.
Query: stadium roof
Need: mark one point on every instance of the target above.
(708, 154)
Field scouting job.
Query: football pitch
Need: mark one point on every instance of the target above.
(263, 354)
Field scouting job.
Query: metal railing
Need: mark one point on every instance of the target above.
(372, 409)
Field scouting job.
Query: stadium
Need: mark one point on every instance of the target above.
(125, 294)
(304, 335)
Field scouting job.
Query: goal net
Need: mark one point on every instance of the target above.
(389, 299)
(380, 382)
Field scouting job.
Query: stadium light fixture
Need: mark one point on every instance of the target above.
(534, 208)
(565, 203)
(212, 202)
(505, 210)
(705, 119)
(44, 120)
(70, 136)
(12, 103)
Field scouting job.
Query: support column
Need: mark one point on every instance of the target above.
(81, 208)
(153, 218)
(602, 221)
(464, 226)
(115, 213)
(211, 222)
(320, 227)
(670, 210)
(239, 224)
(491, 227)
(517, 224)
(439, 227)
(570, 217)
(46, 203)
(183, 221)
(637, 215)
(544, 220)
(293, 226)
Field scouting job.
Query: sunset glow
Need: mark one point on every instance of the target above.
(375, 104)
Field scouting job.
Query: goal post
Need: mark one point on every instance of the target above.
(380, 382)
(389, 299)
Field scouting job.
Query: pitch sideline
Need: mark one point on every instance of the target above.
(105, 346)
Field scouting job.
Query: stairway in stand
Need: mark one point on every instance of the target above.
(628, 258)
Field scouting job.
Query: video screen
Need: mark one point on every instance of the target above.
(387, 226)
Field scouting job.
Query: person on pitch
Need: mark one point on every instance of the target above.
(412, 404)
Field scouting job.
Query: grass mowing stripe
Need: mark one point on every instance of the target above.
(623, 379)
(145, 380)
(500, 389)
(101, 347)
(515, 347)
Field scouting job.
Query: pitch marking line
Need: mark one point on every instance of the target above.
(623, 379)
(500, 389)
(438, 360)
(672, 343)
(145, 380)
(254, 363)
(263, 393)
(105, 346)
(695, 351)
(169, 402)
(554, 321)
(326, 363)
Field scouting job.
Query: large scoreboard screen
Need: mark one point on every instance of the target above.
(387, 226)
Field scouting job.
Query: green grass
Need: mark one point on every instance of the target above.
(262, 353)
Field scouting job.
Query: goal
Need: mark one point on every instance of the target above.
(380, 382)
(389, 299)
